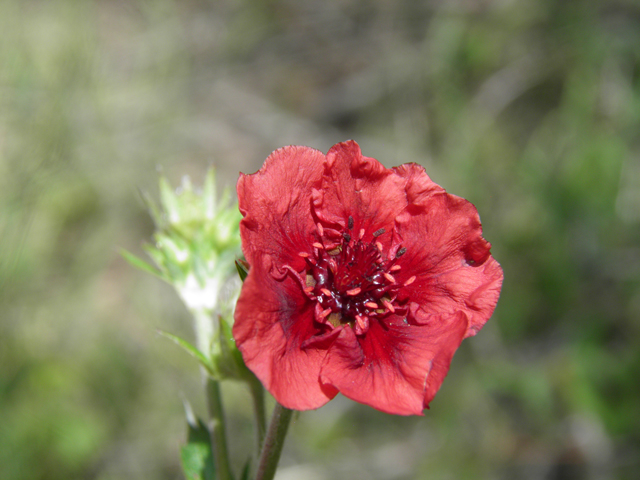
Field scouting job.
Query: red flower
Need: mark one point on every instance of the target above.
(363, 280)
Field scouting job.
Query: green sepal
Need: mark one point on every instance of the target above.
(243, 268)
(196, 456)
(141, 264)
(191, 350)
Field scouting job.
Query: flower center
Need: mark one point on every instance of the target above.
(351, 281)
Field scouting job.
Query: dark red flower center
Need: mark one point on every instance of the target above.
(352, 281)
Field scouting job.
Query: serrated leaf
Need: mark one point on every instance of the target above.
(190, 349)
(196, 456)
(141, 264)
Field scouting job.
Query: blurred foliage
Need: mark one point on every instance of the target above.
(528, 108)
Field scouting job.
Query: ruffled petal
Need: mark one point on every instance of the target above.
(359, 187)
(396, 369)
(276, 205)
(272, 321)
(448, 256)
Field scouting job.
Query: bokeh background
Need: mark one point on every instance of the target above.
(528, 108)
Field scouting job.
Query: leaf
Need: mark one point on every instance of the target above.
(243, 268)
(169, 201)
(196, 456)
(246, 470)
(190, 349)
(141, 264)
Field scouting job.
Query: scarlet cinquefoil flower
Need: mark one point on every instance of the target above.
(363, 280)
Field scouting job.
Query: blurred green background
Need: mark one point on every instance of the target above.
(528, 108)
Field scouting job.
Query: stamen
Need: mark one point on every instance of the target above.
(401, 252)
(318, 245)
(379, 232)
(350, 222)
(389, 277)
(387, 304)
(395, 268)
(324, 314)
(347, 237)
(362, 324)
(354, 291)
(320, 229)
(410, 281)
(371, 305)
(326, 291)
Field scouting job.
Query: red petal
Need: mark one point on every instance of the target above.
(360, 187)
(276, 204)
(272, 321)
(446, 252)
(397, 369)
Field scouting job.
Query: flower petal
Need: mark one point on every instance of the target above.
(396, 369)
(447, 254)
(276, 202)
(272, 320)
(360, 187)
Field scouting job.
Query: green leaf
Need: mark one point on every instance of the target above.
(246, 470)
(243, 268)
(169, 201)
(141, 264)
(190, 349)
(196, 456)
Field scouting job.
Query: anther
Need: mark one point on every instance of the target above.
(318, 245)
(324, 314)
(320, 229)
(401, 252)
(389, 277)
(371, 305)
(347, 237)
(361, 233)
(362, 324)
(387, 304)
(379, 232)
(379, 245)
(304, 254)
(350, 222)
(395, 268)
(410, 281)
(354, 291)
(326, 291)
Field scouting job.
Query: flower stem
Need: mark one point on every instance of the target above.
(274, 442)
(257, 395)
(217, 430)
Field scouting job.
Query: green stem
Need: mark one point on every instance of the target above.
(217, 430)
(274, 442)
(257, 395)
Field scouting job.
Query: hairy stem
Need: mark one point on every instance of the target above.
(260, 417)
(217, 430)
(274, 442)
